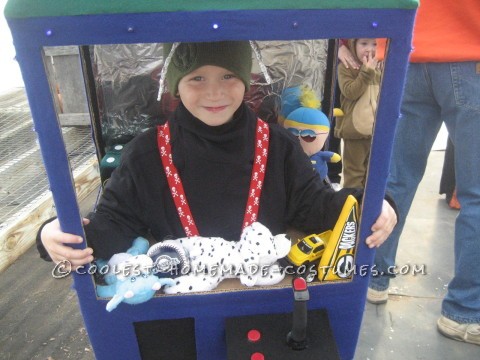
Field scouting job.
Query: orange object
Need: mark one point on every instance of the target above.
(454, 204)
(446, 31)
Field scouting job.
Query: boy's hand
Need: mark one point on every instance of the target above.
(56, 243)
(383, 226)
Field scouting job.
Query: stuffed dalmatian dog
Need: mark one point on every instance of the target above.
(253, 259)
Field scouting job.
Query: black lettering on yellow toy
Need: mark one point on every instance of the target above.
(338, 259)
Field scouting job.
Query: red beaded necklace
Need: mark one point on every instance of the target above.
(176, 186)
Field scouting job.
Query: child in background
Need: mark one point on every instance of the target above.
(214, 144)
(359, 90)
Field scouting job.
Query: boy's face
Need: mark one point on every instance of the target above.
(212, 94)
(365, 47)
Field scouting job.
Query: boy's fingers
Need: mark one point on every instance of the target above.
(75, 257)
(78, 254)
(80, 261)
(376, 239)
(383, 227)
(70, 239)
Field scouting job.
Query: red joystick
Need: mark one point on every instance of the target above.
(297, 337)
(254, 335)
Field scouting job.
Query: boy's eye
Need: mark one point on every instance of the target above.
(229, 76)
(197, 78)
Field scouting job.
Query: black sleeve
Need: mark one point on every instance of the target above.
(118, 217)
(38, 241)
(393, 205)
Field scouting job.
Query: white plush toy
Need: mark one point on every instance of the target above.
(253, 259)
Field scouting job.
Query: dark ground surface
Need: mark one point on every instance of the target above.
(39, 315)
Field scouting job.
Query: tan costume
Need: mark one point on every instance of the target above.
(359, 94)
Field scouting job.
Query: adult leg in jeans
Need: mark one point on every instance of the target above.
(458, 89)
(414, 137)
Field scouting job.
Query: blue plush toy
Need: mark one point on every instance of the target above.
(310, 125)
(130, 278)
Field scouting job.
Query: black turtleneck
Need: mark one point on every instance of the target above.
(215, 164)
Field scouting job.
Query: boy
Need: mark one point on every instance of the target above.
(213, 140)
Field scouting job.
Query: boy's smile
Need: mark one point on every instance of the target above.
(212, 94)
(215, 109)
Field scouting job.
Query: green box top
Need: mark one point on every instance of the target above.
(55, 8)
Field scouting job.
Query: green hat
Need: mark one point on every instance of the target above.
(235, 56)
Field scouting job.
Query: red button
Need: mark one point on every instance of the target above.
(299, 284)
(257, 356)
(254, 335)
